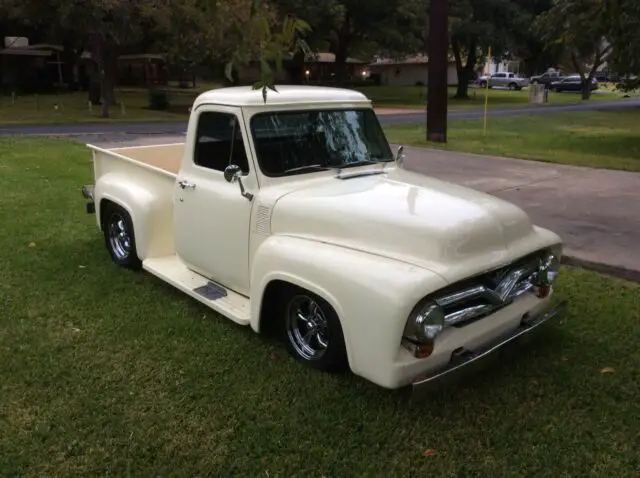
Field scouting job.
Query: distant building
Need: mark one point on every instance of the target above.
(409, 71)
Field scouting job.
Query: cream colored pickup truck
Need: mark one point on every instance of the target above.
(294, 216)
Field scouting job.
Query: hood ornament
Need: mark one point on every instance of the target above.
(400, 157)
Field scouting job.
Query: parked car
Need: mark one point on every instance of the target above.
(505, 80)
(292, 215)
(571, 83)
(546, 78)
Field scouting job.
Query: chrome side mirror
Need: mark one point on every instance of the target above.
(400, 157)
(233, 173)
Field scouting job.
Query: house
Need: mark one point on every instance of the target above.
(24, 69)
(410, 71)
(500, 66)
(318, 70)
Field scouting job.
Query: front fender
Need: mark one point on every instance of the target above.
(150, 207)
(372, 295)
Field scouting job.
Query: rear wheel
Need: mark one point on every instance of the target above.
(513, 86)
(312, 331)
(119, 236)
(483, 84)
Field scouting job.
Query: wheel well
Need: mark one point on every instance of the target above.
(271, 305)
(104, 203)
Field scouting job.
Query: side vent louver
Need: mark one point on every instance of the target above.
(263, 216)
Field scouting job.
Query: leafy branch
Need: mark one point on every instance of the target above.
(269, 46)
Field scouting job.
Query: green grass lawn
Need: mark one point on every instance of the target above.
(599, 139)
(133, 105)
(108, 372)
(416, 97)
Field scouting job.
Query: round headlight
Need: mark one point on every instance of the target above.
(548, 270)
(430, 321)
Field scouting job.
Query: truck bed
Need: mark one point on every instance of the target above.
(166, 157)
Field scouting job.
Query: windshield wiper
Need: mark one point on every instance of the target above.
(308, 167)
(362, 162)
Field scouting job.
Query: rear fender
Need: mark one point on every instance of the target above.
(151, 213)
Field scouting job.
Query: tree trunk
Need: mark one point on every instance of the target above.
(586, 88)
(438, 49)
(296, 70)
(341, 50)
(464, 71)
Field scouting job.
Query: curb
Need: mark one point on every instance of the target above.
(615, 271)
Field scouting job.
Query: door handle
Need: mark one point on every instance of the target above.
(186, 184)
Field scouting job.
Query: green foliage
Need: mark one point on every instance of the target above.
(352, 27)
(580, 28)
(262, 42)
(625, 36)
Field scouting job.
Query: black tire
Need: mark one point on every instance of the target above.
(483, 84)
(119, 236)
(513, 86)
(329, 357)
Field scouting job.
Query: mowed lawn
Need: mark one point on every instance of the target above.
(416, 97)
(599, 139)
(132, 105)
(108, 372)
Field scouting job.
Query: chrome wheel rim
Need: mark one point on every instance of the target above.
(307, 327)
(119, 236)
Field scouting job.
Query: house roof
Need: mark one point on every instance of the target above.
(326, 57)
(285, 95)
(24, 52)
(409, 60)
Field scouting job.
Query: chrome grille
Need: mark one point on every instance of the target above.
(482, 295)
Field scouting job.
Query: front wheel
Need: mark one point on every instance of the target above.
(119, 237)
(313, 333)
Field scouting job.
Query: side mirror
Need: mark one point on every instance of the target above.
(400, 156)
(233, 173)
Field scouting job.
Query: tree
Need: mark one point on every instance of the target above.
(625, 37)
(526, 44)
(348, 27)
(580, 27)
(477, 25)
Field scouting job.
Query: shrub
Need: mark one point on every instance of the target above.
(158, 100)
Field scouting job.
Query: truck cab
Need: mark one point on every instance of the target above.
(293, 215)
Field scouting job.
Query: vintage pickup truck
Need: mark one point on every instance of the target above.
(292, 215)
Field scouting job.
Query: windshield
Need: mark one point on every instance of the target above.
(295, 142)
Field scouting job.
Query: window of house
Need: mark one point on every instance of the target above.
(219, 142)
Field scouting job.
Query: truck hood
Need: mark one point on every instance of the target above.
(448, 229)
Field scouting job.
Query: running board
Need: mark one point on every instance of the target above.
(224, 301)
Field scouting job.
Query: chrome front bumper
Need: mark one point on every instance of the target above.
(465, 362)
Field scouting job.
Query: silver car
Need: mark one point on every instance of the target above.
(505, 80)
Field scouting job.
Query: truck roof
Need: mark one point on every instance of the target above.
(287, 94)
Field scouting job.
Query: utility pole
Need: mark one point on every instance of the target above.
(438, 60)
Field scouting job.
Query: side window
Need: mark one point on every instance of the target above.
(219, 142)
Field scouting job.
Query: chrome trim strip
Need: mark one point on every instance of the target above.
(463, 361)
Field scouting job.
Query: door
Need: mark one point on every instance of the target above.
(211, 217)
(499, 79)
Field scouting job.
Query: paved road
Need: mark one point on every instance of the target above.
(178, 127)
